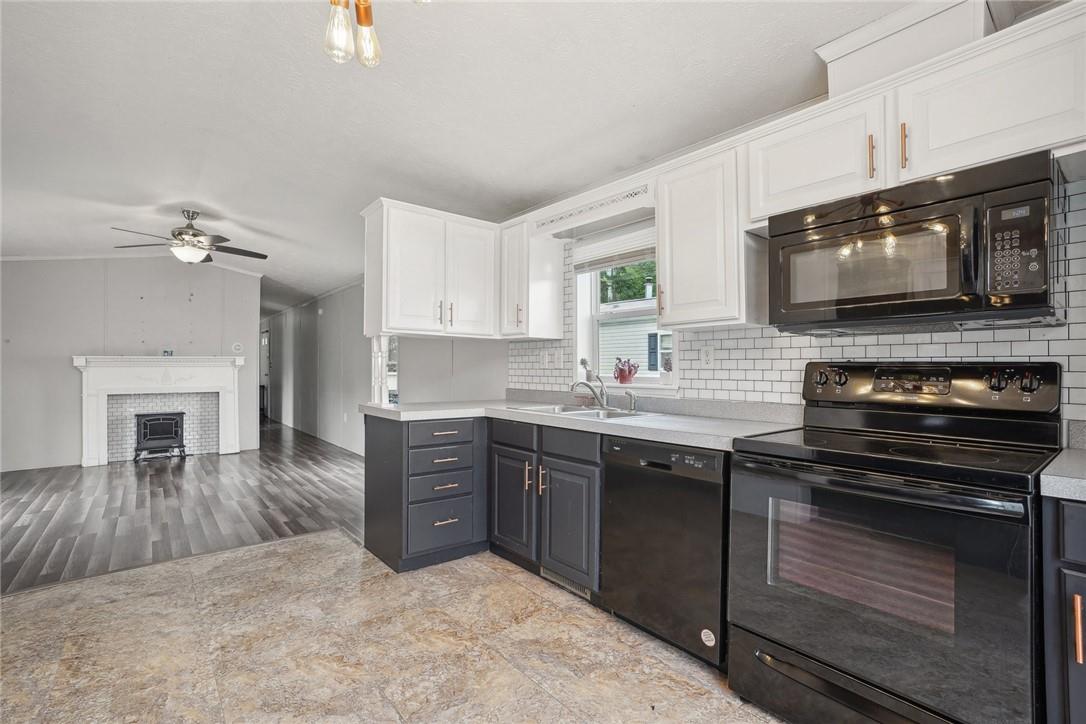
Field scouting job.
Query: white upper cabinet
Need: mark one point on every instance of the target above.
(470, 269)
(830, 155)
(1018, 96)
(416, 270)
(697, 252)
(532, 283)
(429, 272)
(514, 280)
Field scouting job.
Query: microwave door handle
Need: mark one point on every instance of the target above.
(885, 487)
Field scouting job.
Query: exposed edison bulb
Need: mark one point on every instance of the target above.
(365, 37)
(338, 42)
(369, 50)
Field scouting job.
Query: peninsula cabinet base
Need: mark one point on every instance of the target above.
(402, 565)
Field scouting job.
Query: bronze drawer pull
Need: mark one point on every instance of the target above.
(527, 476)
(871, 155)
(445, 460)
(1076, 603)
(542, 487)
(444, 432)
(904, 147)
(439, 523)
(447, 487)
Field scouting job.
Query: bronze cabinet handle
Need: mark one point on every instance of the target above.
(444, 432)
(1076, 604)
(445, 460)
(447, 521)
(904, 139)
(441, 311)
(447, 487)
(542, 487)
(871, 155)
(527, 476)
(450, 314)
(518, 315)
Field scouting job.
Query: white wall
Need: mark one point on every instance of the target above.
(433, 369)
(320, 367)
(52, 310)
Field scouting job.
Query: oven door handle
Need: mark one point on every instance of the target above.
(895, 489)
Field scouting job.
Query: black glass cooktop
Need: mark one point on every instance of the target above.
(1004, 467)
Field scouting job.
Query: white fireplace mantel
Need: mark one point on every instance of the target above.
(128, 375)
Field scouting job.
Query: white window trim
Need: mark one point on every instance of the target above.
(651, 387)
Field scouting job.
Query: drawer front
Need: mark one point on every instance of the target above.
(439, 459)
(515, 434)
(438, 524)
(571, 444)
(439, 485)
(439, 432)
(1073, 532)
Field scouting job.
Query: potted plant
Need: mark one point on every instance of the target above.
(625, 370)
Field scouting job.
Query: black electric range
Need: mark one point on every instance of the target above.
(883, 556)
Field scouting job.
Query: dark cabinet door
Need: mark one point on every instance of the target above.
(514, 486)
(569, 540)
(1074, 613)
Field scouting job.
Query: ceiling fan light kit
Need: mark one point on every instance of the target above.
(341, 45)
(191, 245)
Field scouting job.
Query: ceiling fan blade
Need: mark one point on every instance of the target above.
(141, 233)
(136, 246)
(211, 239)
(206, 260)
(239, 252)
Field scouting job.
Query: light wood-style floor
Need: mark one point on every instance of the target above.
(59, 524)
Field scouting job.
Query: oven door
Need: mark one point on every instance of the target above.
(912, 263)
(918, 588)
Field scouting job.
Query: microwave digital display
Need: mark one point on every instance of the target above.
(1018, 212)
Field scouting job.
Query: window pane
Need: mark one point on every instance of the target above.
(632, 338)
(628, 283)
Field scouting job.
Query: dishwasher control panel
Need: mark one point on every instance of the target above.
(657, 455)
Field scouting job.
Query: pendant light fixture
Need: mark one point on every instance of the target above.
(365, 37)
(338, 41)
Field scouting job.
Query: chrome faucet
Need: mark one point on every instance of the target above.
(590, 376)
(632, 402)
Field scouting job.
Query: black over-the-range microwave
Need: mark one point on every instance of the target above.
(975, 249)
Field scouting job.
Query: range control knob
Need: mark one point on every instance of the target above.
(1030, 382)
(997, 381)
(821, 378)
(840, 378)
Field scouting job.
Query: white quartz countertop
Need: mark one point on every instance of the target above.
(714, 433)
(1065, 477)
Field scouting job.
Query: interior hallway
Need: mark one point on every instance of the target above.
(64, 523)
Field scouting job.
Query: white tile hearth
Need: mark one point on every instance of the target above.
(201, 420)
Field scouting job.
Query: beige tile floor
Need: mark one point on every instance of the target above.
(315, 628)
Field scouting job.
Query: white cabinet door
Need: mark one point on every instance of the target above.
(415, 281)
(470, 278)
(1025, 95)
(828, 156)
(514, 280)
(696, 249)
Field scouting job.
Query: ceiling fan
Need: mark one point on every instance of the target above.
(192, 245)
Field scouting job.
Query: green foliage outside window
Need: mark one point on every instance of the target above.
(627, 283)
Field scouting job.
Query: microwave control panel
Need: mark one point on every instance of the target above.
(1016, 259)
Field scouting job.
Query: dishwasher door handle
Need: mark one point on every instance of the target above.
(655, 465)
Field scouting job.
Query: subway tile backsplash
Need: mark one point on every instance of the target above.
(760, 365)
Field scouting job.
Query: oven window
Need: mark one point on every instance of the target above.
(913, 261)
(823, 551)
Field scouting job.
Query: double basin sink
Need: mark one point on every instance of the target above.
(593, 413)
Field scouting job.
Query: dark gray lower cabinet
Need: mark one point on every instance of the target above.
(513, 473)
(1065, 610)
(545, 491)
(426, 492)
(569, 541)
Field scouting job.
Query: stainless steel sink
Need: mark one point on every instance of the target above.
(604, 414)
(554, 409)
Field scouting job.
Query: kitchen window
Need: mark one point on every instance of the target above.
(617, 312)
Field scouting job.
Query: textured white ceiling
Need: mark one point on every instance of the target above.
(120, 114)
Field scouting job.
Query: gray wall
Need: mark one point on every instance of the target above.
(433, 369)
(52, 310)
(320, 367)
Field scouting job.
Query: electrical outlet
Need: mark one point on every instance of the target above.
(544, 359)
(706, 354)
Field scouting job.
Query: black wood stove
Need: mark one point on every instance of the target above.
(160, 434)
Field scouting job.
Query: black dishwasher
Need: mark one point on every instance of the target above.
(663, 527)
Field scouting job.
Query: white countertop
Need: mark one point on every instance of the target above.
(1065, 477)
(707, 432)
